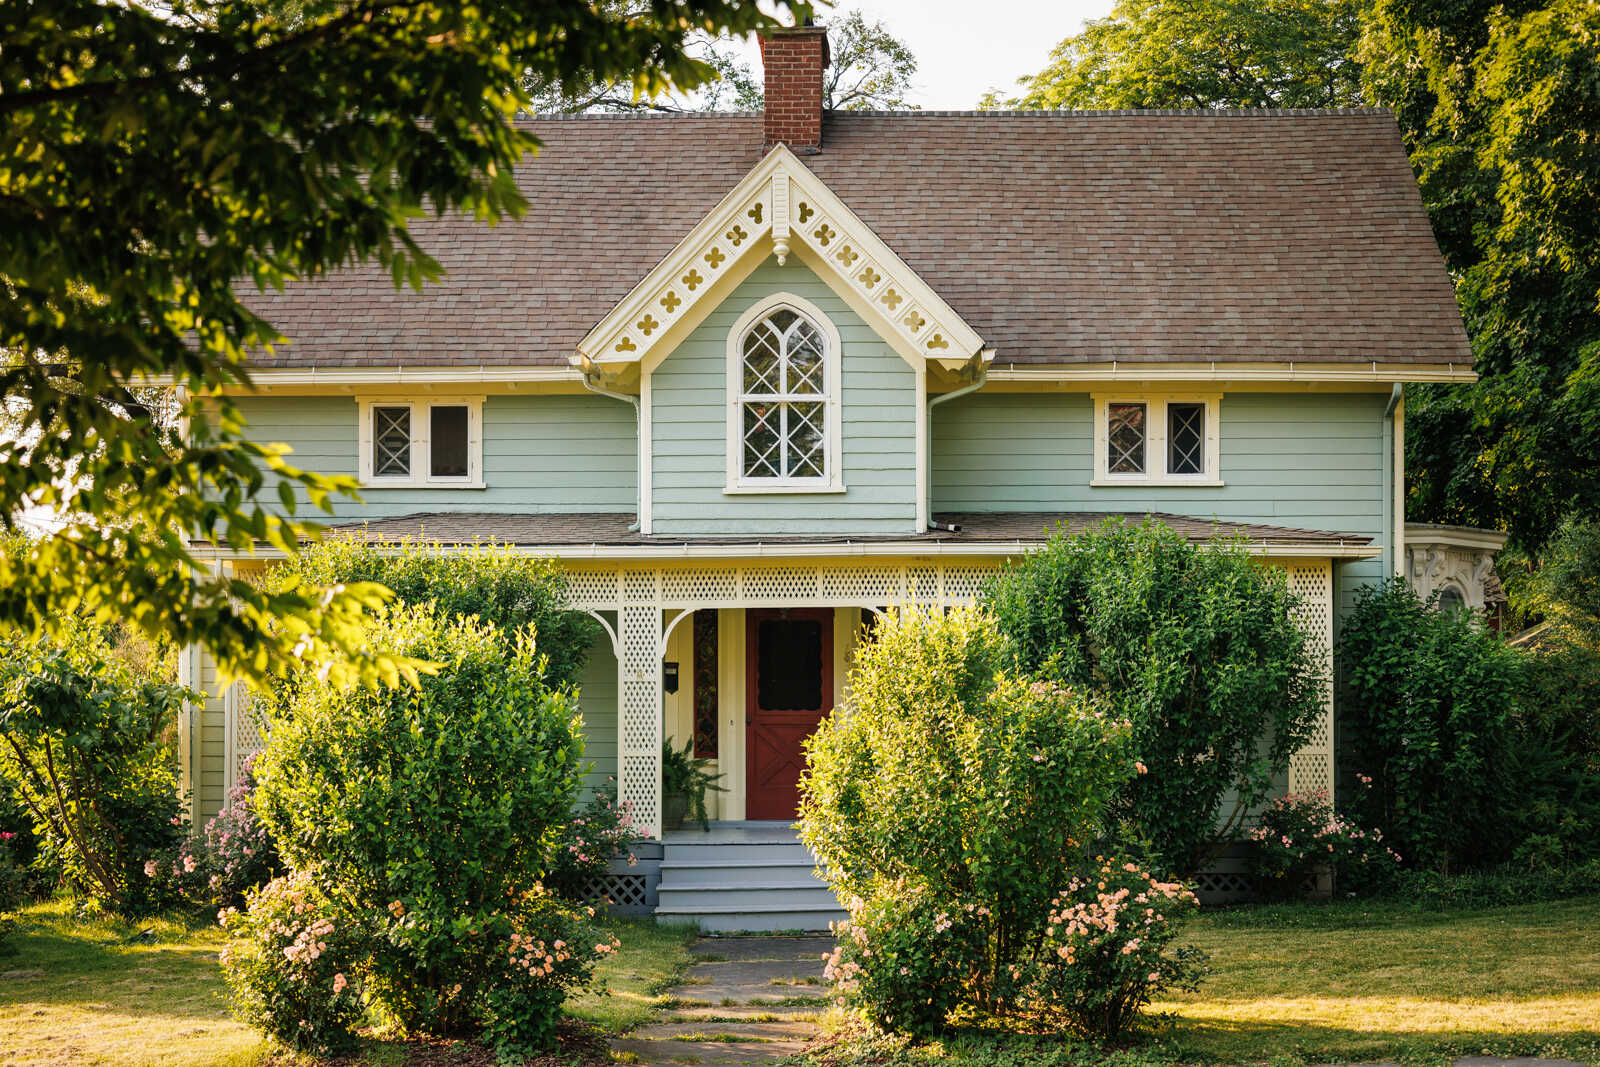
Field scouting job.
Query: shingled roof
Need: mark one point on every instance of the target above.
(1062, 237)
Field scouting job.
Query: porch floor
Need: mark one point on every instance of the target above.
(742, 832)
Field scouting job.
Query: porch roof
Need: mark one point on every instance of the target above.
(982, 533)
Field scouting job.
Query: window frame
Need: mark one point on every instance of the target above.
(1157, 453)
(421, 411)
(832, 480)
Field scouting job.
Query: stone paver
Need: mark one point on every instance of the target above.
(752, 1001)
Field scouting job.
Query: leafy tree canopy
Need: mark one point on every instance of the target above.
(871, 69)
(1203, 54)
(153, 156)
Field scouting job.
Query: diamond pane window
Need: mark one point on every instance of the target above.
(391, 442)
(784, 413)
(1186, 438)
(1126, 437)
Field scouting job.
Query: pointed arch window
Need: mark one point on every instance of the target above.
(783, 423)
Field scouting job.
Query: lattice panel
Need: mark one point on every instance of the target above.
(781, 585)
(704, 586)
(621, 891)
(639, 717)
(863, 585)
(1312, 582)
(246, 734)
(593, 589)
(924, 583)
(962, 584)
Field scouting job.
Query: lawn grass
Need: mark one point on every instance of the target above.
(91, 991)
(1334, 983)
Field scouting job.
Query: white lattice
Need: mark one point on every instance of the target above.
(700, 586)
(781, 585)
(863, 585)
(962, 584)
(639, 714)
(1312, 582)
(245, 735)
(593, 589)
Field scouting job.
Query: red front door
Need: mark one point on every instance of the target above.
(789, 679)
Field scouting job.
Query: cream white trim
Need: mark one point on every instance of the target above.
(821, 229)
(647, 457)
(689, 550)
(833, 416)
(390, 376)
(1290, 371)
(1400, 487)
(421, 427)
(1155, 473)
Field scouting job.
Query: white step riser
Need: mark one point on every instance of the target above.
(754, 899)
(744, 853)
(776, 877)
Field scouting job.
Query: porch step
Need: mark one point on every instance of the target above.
(743, 877)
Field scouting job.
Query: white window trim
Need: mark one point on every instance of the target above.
(832, 366)
(421, 427)
(1155, 472)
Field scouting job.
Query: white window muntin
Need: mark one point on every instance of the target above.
(1157, 452)
(782, 392)
(419, 416)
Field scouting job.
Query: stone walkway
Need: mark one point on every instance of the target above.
(748, 1000)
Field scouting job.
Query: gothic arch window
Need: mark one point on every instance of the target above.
(783, 387)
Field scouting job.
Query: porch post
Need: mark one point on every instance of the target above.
(1312, 581)
(639, 689)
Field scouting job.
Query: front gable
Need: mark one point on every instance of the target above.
(780, 209)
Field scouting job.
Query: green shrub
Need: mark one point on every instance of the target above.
(430, 814)
(232, 855)
(292, 965)
(490, 581)
(85, 743)
(1103, 955)
(1427, 706)
(908, 958)
(947, 782)
(13, 894)
(600, 829)
(1299, 833)
(1196, 646)
(1502, 886)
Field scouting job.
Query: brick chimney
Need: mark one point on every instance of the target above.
(794, 60)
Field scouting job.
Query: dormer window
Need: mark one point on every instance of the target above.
(1156, 440)
(410, 444)
(784, 398)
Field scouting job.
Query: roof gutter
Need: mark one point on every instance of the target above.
(591, 381)
(979, 370)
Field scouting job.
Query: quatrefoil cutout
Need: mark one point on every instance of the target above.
(737, 235)
(692, 279)
(715, 257)
(825, 233)
(648, 324)
(870, 277)
(671, 301)
(891, 298)
(847, 255)
(915, 321)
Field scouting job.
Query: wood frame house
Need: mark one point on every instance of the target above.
(750, 376)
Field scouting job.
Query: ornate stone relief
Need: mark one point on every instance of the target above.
(1450, 568)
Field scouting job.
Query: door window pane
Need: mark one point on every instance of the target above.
(391, 442)
(1186, 438)
(448, 442)
(1125, 438)
(789, 664)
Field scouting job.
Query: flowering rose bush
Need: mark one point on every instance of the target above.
(291, 964)
(429, 813)
(906, 960)
(550, 948)
(1300, 832)
(1103, 955)
(600, 829)
(232, 855)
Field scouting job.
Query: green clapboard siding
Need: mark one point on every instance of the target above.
(689, 427)
(559, 453)
(1313, 462)
(597, 700)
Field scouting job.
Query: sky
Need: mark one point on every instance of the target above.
(964, 49)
